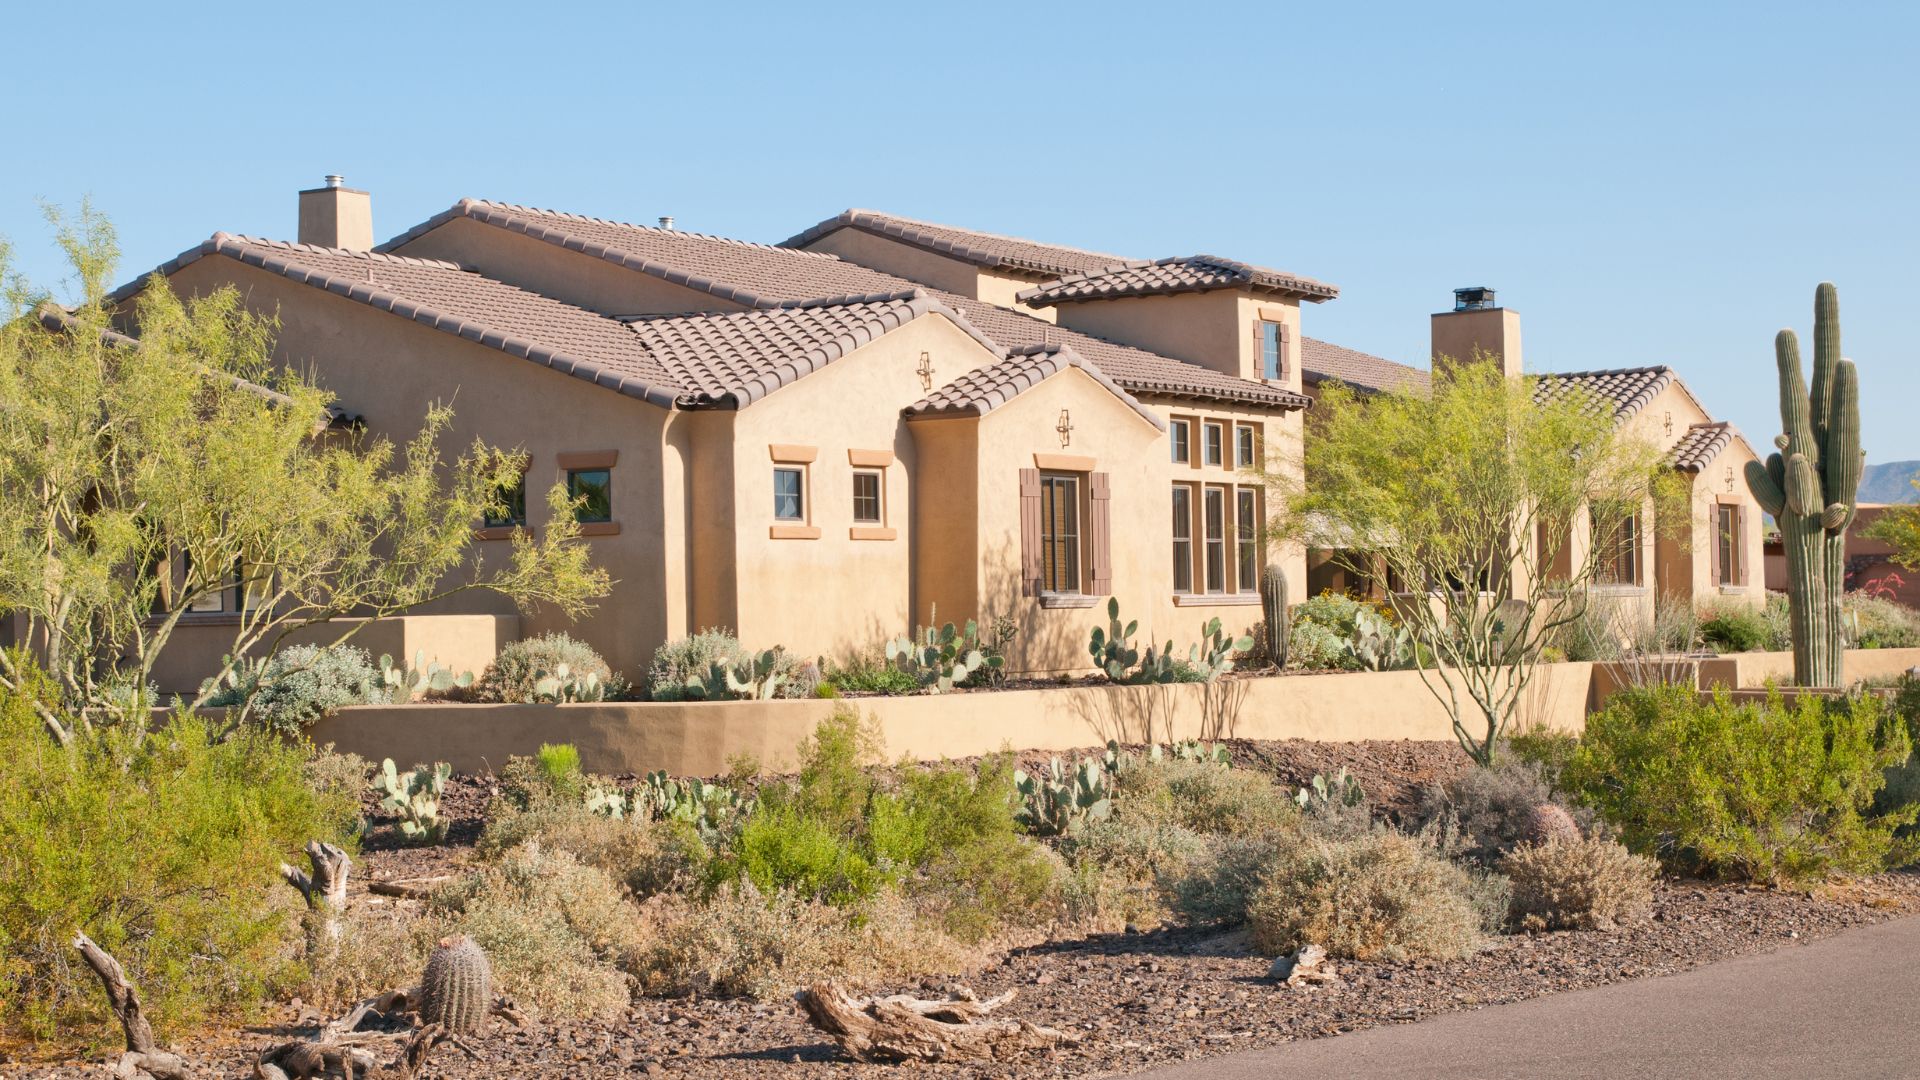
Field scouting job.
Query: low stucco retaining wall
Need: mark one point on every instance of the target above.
(699, 738)
(1741, 671)
(460, 642)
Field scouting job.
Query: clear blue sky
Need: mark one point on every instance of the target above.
(1646, 183)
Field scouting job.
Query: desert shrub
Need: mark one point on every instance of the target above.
(1735, 628)
(1203, 796)
(513, 673)
(871, 674)
(1220, 884)
(1383, 896)
(681, 658)
(1122, 868)
(1586, 884)
(301, 684)
(163, 847)
(1770, 791)
(379, 947)
(1876, 622)
(522, 783)
(557, 931)
(560, 767)
(648, 857)
(1548, 750)
(1491, 807)
(1323, 626)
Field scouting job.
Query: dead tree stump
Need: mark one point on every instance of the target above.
(325, 889)
(903, 1028)
(143, 1059)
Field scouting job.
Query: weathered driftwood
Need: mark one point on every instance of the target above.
(902, 1028)
(325, 889)
(412, 889)
(1305, 966)
(143, 1059)
(346, 1057)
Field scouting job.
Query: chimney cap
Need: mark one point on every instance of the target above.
(335, 180)
(666, 221)
(1473, 298)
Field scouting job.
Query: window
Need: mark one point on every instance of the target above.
(512, 510)
(1273, 350)
(227, 597)
(1617, 551)
(592, 491)
(1182, 538)
(1727, 540)
(789, 494)
(1243, 447)
(1212, 450)
(866, 498)
(1246, 535)
(1214, 512)
(1059, 533)
(1180, 433)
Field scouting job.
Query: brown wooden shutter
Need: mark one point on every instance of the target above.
(1030, 532)
(1713, 549)
(1284, 337)
(1740, 549)
(1100, 533)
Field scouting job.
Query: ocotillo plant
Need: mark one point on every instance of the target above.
(1809, 488)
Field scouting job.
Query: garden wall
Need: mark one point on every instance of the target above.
(460, 642)
(698, 738)
(1756, 669)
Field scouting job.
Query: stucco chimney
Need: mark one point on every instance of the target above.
(337, 216)
(1477, 325)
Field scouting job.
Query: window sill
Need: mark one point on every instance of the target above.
(599, 528)
(198, 618)
(1618, 590)
(872, 532)
(1244, 599)
(498, 532)
(1067, 601)
(1734, 590)
(793, 532)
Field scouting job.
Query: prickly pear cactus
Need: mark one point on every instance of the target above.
(1810, 486)
(457, 990)
(1273, 608)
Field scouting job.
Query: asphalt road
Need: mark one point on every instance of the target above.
(1845, 1006)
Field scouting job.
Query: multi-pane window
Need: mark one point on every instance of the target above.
(1212, 438)
(1273, 350)
(511, 505)
(866, 498)
(1617, 551)
(228, 596)
(1182, 538)
(1243, 447)
(1213, 513)
(592, 492)
(1180, 434)
(1727, 537)
(1246, 538)
(789, 494)
(1059, 533)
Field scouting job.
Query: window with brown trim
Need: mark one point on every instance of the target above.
(1182, 538)
(1059, 533)
(1273, 349)
(1246, 538)
(867, 497)
(1616, 551)
(1180, 434)
(1727, 544)
(1212, 440)
(592, 492)
(789, 493)
(1213, 514)
(1245, 447)
(510, 505)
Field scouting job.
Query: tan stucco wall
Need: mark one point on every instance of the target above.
(390, 369)
(930, 268)
(1213, 329)
(458, 642)
(1745, 671)
(701, 739)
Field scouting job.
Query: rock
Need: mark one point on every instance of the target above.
(1305, 966)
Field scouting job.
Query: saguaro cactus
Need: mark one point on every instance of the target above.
(1809, 488)
(1273, 605)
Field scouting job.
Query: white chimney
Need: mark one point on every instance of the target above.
(336, 216)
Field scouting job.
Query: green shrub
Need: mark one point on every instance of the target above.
(1874, 622)
(1767, 791)
(648, 857)
(1735, 628)
(1203, 796)
(301, 684)
(1587, 884)
(1323, 636)
(1220, 884)
(163, 848)
(1548, 750)
(677, 660)
(1382, 896)
(867, 674)
(560, 765)
(1489, 809)
(514, 673)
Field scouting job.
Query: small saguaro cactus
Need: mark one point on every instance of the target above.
(1810, 485)
(1273, 608)
(457, 990)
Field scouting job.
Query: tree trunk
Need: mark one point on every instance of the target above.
(143, 1060)
(902, 1028)
(326, 890)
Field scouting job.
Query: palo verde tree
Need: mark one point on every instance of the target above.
(1480, 500)
(138, 477)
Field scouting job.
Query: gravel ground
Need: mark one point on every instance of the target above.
(1136, 999)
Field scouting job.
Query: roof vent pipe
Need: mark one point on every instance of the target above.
(335, 180)
(666, 221)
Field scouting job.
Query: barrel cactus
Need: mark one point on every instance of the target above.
(1273, 608)
(1810, 485)
(458, 988)
(1551, 822)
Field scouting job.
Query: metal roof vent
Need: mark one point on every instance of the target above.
(666, 221)
(335, 180)
(1477, 298)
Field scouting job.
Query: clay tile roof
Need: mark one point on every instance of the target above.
(454, 300)
(736, 359)
(1620, 391)
(767, 276)
(1182, 274)
(1323, 361)
(979, 248)
(53, 318)
(1701, 444)
(983, 390)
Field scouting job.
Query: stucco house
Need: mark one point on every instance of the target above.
(1714, 556)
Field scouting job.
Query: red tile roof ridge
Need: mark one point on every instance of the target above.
(465, 206)
(350, 253)
(962, 243)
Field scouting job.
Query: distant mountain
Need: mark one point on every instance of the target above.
(1890, 483)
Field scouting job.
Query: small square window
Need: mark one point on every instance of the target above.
(1212, 448)
(789, 495)
(866, 498)
(512, 506)
(1244, 447)
(592, 490)
(1180, 433)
